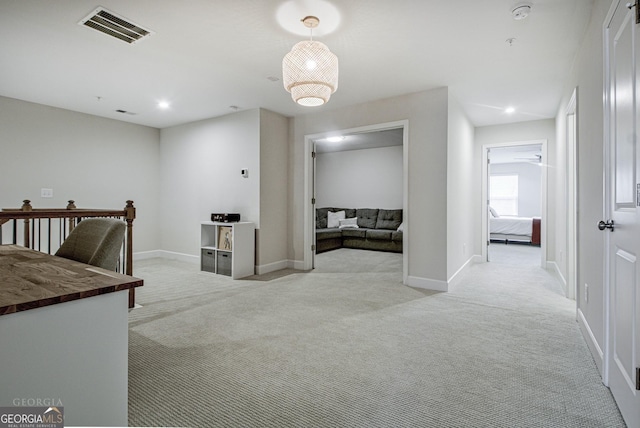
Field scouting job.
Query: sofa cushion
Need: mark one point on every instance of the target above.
(353, 233)
(389, 219)
(328, 233)
(396, 236)
(384, 235)
(367, 217)
(348, 212)
(321, 217)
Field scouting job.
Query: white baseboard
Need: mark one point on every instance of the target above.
(145, 255)
(272, 267)
(553, 266)
(171, 255)
(166, 255)
(477, 258)
(456, 276)
(592, 343)
(296, 264)
(427, 284)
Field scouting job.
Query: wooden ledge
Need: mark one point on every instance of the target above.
(30, 279)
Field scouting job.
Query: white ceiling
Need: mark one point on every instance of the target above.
(208, 55)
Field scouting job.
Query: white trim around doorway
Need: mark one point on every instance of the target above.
(309, 209)
(543, 202)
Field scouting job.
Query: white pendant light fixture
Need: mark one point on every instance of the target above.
(310, 70)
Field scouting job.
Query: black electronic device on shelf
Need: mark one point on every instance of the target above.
(226, 217)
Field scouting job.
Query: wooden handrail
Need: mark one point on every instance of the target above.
(73, 215)
(27, 211)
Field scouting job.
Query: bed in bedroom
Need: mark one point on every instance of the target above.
(520, 229)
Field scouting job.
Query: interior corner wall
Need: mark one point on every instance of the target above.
(200, 168)
(272, 236)
(544, 129)
(587, 76)
(461, 223)
(367, 178)
(427, 115)
(98, 162)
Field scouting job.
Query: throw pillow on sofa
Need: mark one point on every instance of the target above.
(333, 219)
(349, 223)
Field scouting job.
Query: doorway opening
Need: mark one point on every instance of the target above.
(515, 202)
(325, 191)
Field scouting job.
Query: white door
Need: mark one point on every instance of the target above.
(623, 235)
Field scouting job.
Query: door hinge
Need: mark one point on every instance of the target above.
(637, 378)
(313, 247)
(313, 201)
(635, 4)
(313, 155)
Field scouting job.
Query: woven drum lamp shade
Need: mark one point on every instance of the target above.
(310, 73)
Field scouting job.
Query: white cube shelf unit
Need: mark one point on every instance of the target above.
(227, 248)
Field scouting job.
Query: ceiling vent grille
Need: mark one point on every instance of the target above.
(115, 26)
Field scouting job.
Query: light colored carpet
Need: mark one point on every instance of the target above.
(359, 349)
(514, 254)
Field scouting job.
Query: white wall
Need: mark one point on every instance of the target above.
(99, 163)
(587, 76)
(272, 237)
(427, 113)
(201, 165)
(544, 129)
(368, 178)
(461, 221)
(529, 183)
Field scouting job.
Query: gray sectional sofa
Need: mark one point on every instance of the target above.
(377, 230)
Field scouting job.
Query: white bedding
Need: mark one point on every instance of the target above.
(506, 225)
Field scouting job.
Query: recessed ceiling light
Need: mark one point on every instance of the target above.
(335, 139)
(163, 105)
(510, 110)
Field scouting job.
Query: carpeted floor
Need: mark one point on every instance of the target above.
(353, 347)
(515, 254)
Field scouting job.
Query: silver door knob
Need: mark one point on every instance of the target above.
(602, 225)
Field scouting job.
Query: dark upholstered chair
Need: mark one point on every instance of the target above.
(95, 241)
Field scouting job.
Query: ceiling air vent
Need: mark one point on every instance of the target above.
(115, 26)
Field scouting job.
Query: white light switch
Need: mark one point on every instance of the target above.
(46, 193)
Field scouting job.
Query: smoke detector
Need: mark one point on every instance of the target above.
(521, 11)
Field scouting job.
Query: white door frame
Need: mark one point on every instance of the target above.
(572, 246)
(309, 208)
(543, 191)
